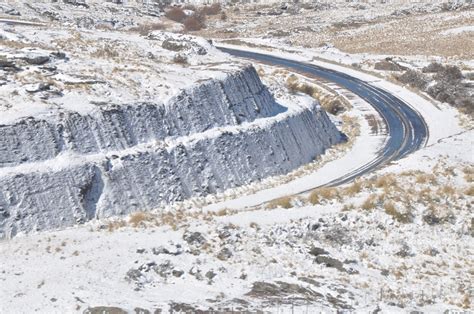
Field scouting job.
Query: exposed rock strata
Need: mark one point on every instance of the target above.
(70, 168)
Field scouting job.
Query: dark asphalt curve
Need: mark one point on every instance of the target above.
(407, 130)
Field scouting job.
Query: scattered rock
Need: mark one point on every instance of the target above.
(147, 266)
(224, 233)
(315, 251)
(194, 238)
(6, 63)
(224, 254)
(181, 308)
(280, 289)
(36, 59)
(431, 219)
(210, 275)
(196, 272)
(141, 251)
(59, 55)
(39, 87)
(163, 250)
(164, 269)
(13, 12)
(404, 251)
(139, 310)
(330, 262)
(133, 275)
(177, 273)
(105, 310)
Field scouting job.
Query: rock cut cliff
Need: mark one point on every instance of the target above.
(68, 167)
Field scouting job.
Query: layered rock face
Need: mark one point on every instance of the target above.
(67, 168)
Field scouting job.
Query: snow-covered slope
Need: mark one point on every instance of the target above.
(67, 168)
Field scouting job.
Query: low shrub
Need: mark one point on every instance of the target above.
(176, 14)
(414, 79)
(212, 9)
(194, 22)
(433, 67)
(138, 218)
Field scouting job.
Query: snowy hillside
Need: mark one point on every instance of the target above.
(108, 123)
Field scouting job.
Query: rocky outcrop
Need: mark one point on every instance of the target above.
(70, 168)
(239, 98)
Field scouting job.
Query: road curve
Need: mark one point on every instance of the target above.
(407, 130)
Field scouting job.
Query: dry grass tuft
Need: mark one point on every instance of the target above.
(116, 224)
(354, 189)
(468, 174)
(386, 182)
(469, 191)
(446, 191)
(424, 178)
(107, 51)
(370, 203)
(391, 210)
(313, 198)
(140, 218)
(283, 202)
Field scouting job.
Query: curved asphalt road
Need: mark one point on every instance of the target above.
(407, 130)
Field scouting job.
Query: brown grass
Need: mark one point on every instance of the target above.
(116, 224)
(391, 210)
(386, 182)
(283, 202)
(107, 51)
(424, 178)
(370, 202)
(468, 174)
(313, 198)
(354, 189)
(469, 191)
(139, 218)
(212, 9)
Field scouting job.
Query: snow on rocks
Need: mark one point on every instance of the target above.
(122, 126)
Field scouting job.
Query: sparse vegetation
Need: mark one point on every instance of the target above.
(138, 219)
(313, 198)
(145, 29)
(176, 14)
(370, 202)
(354, 188)
(283, 202)
(194, 22)
(213, 9)
(391, 210)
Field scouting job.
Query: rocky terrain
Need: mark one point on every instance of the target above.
(144, 171)
(168, 110)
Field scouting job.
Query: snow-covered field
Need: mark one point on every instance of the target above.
(398, 240)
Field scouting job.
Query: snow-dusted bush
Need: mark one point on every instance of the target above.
(194, 22)
(414, 79)
(176, 14)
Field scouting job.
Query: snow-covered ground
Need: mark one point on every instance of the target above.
(340, 253)
(397, 241)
